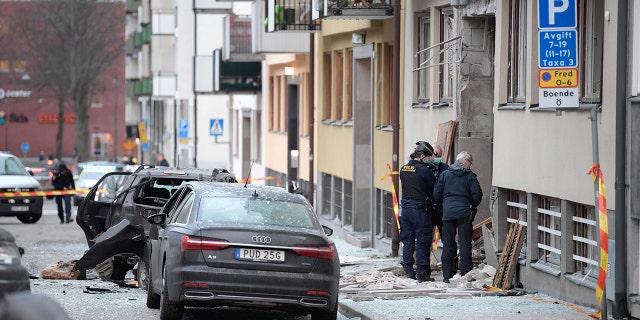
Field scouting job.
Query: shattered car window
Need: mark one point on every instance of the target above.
(254, 211)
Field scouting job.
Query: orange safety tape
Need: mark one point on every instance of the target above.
(265, 178)
(393, 195)
(37, 193)
(604, 235)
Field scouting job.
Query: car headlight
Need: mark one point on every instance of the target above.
(9, 254)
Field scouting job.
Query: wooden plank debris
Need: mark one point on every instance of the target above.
(509, 257)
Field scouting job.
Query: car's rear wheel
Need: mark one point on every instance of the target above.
(169, 310)
(325, 315)
(153, 299)
(30, 218)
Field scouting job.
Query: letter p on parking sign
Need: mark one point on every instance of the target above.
(554, 14)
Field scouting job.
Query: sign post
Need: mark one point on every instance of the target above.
(558, 56)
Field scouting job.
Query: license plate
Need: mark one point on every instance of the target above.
(263, 255)
(20, 208)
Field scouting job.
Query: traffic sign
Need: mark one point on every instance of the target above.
(215, 127)
(558, 48)
(184, 129)
(558, 97)
(25, 147)
(557, 14)
(558, 78)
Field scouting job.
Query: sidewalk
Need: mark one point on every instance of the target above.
(369, 270)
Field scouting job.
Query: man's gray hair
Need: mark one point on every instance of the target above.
(462, 156)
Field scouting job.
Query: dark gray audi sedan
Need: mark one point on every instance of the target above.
(221, 244)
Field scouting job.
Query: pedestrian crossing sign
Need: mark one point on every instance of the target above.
(215, 127)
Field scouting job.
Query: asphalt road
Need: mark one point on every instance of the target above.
(47, 242)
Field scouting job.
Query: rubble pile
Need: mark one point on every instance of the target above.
(388, 282)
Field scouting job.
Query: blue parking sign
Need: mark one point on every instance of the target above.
(553, 14)
(25, 147)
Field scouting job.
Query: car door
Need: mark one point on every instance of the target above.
(93, 212)
(156, 236)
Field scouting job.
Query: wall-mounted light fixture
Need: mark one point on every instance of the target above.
(289, 71)
(357, 38)
(459, 4)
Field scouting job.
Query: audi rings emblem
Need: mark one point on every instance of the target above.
(261, 239)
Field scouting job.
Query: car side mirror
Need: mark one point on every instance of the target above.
(30, 172)
(328, 231)
(158, 218)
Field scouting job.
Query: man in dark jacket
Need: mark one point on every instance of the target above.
(416, 231)
(438, 167)
(63, 180)
(459, 190)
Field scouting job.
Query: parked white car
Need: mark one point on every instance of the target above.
(15, 178)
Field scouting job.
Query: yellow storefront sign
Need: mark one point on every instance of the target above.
(558, 78)
(142, 132)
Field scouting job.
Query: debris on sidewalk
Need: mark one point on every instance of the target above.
(62, 271)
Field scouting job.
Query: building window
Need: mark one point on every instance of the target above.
(326, 115)
(549, 234)
(423, 41)
(326, 195)
(338, 116)
(590, 38)
(283, 106)
(447, 55)
(517, 207)
(304, 104)
(348, 203)
(388, 111)
(349, 85)
(517, 66)
(271, 105)
(384, 214)
(585, 244)
(257, 130)
(337, 198)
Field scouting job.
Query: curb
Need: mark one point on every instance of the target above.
(350, 312)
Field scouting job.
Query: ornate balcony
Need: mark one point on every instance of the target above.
(353, 9)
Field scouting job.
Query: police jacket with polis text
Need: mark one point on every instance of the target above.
(417, 184)
(459, 190)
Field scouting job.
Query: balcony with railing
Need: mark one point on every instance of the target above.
(237, 35)
(131, 6)
(213, 7)
(353, 9)
(130, 45)
(236, 76)
(264, 41)
(290, 15)
(142, 87)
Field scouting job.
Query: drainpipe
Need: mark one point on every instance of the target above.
(395, 236)
(620, 309)
(312, 50)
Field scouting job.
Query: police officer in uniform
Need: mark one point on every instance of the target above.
(416, 230)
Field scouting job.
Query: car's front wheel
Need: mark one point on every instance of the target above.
(30, 218)
(169, 310)
(153, 299)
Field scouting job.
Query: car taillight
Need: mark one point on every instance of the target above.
(318, 252)
(197, 243)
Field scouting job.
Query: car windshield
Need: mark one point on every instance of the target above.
(254, 211)
(92, 174)
(13, 167)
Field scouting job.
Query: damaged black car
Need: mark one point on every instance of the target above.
(114, 215)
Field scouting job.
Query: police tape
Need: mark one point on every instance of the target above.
(40, 193)
(604, 236)
(396, 211)
(279, 183)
